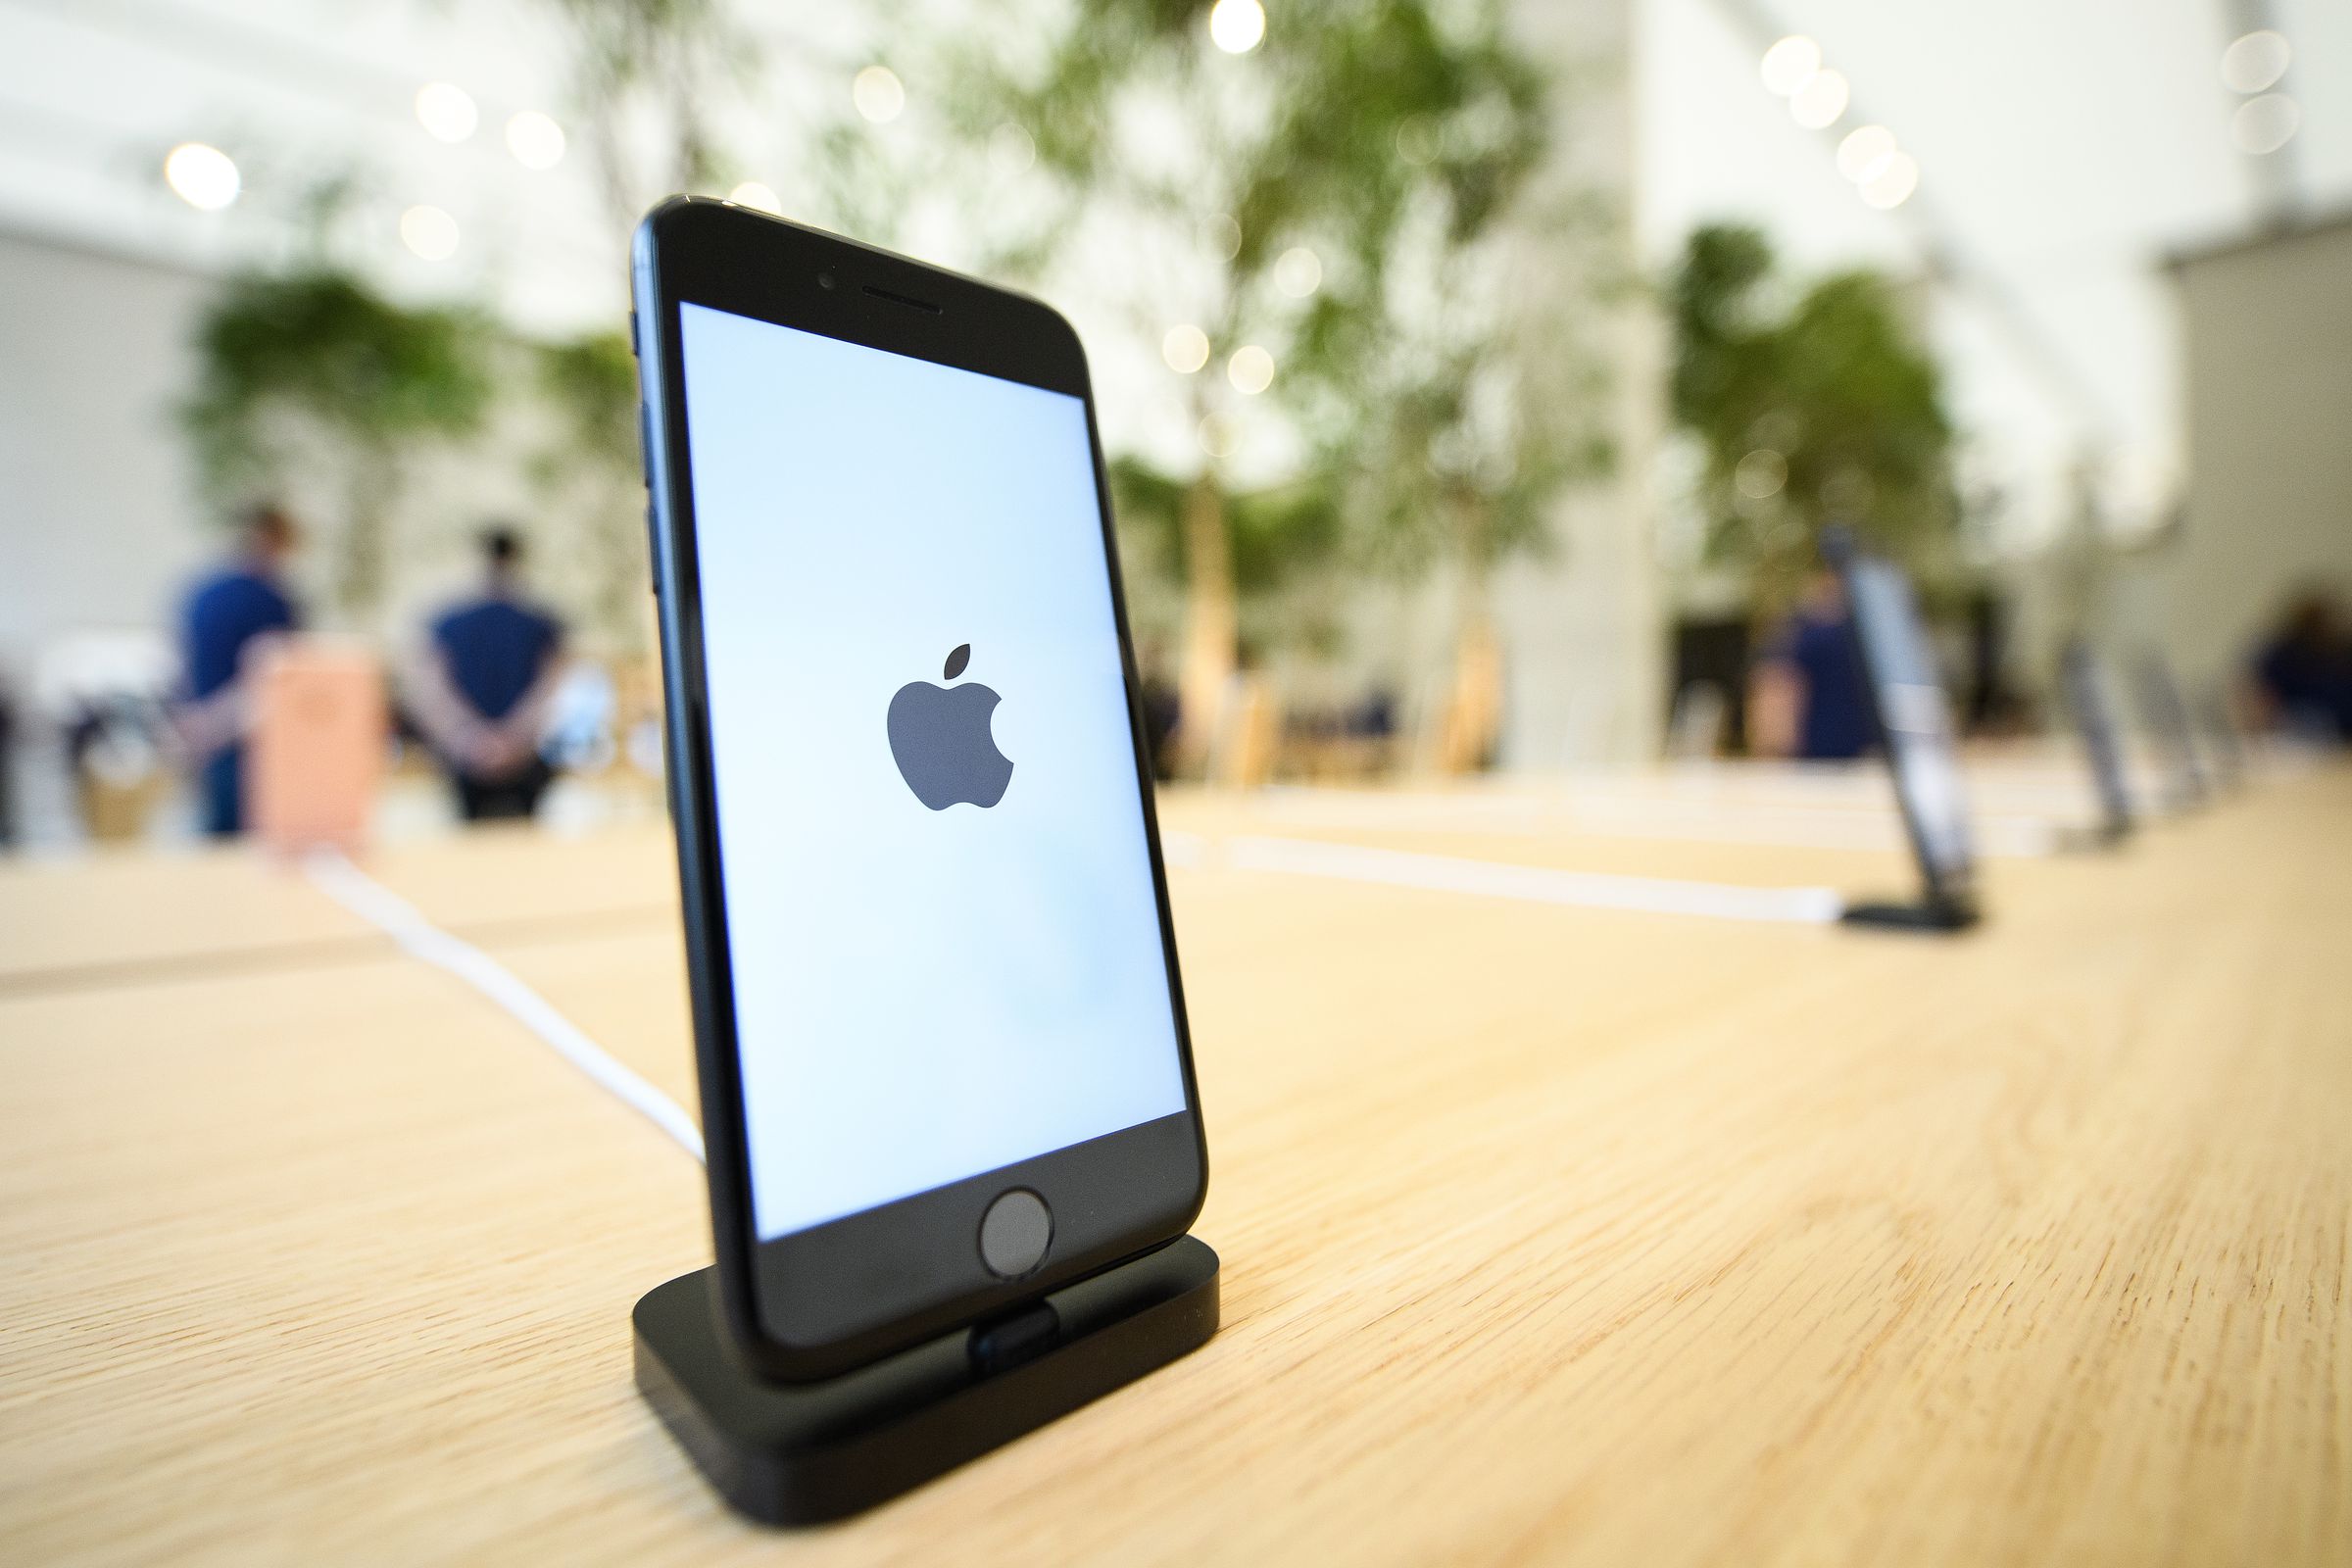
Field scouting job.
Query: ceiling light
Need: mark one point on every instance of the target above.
(1184, 348)
(878, 94)
(1865, 153)
(1298, 272)
(1237, 26)
(2266, 123)
(1892, 185)
(1820, 101)
(535, 140)
(1250, 369)
(750, 193)
(446, 110)
(430, 232)
(2256, 62)
(205, 178)
(1790, 63)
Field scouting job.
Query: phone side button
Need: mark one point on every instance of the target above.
(653, 549)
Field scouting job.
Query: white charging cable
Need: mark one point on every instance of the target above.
(333, 874)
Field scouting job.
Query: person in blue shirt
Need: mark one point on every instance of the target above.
(1806, 698)
(488, 678)
(2302, 681)
(222, 619)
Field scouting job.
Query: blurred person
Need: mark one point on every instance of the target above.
(8, 769)
(2302, 675)
(224, 617)
(1162, 708)
(484, 686)
(1806, 698)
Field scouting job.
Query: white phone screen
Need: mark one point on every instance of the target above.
(943, 934)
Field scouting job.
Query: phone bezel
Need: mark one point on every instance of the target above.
(818, 1302)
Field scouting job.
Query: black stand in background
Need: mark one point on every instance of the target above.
(796, 1454)
(1929, 914)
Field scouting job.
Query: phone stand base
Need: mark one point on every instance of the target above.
(797, 1453)
(1926, 916)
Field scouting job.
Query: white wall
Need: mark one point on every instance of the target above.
(2267, 331)
(98, 522)
(1583, 632)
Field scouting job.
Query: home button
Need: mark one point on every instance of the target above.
(1014, 1234)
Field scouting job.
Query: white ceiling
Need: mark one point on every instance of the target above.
(2064, 146)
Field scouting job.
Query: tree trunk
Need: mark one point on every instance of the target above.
(1474, 709)
(1473, 720)
(366, 525)
(1210, 627)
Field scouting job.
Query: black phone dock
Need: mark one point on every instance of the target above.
(1929, 914)
(798, 1453)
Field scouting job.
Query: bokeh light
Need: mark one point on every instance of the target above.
(1892, 185)
(878, 94)
(535, 139)
(1820, 101)
(750, 193)
(1237, 27)
(1761, 474)
(1865, 153)
(1298, 271)
(446, 110)
(429, 232)
(2256, 62)
(1250, 369)
(2266, 123)
(205, 178)
(1790, 63)
(1184, 348)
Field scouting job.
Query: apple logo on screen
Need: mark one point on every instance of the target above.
(940, 737)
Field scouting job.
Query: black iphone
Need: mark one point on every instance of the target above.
(940, 1030)
(1914, 720)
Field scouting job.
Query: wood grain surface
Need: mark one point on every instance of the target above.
(1550, 1233)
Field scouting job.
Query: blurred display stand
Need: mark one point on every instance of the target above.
(318, 742)
(2091, 701)
(99, 699)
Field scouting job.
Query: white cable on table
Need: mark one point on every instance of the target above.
(333, 874)
(1538, 884)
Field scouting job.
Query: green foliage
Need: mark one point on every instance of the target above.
(587, 477)
(321, 346)
(325, 346)
(320, 354)
(1834, 406)
(591, 384)
(1277, 534)
(666, 58)
(1376, 133)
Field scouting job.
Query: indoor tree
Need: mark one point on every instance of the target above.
(589, 471)
(1248, 204)
(663, 64)
(1826, 411)
(317, 364)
